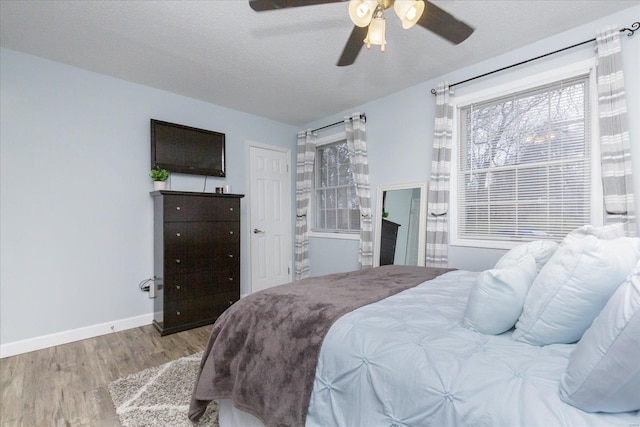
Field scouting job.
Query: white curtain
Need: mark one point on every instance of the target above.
(614, 132)
(304, 177)
(357, 143)
(437, 248)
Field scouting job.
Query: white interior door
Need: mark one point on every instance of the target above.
(270, 216)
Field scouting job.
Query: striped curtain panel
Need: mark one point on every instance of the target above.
(614, 132)
(437, 248)
(304, 175)
(357, 143)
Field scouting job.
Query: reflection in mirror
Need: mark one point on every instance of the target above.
(401, 224)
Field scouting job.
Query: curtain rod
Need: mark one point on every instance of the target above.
(634, 27)
(362, 116)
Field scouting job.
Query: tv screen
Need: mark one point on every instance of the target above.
(185, 149)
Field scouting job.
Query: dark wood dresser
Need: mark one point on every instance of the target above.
(196, 257)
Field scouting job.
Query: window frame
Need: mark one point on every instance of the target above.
(586, 67)
(355, 235)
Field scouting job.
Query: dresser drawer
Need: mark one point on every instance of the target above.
(183, 286)
(228, 210)
(201, 208)
(226, 231)
(202, 259)
(179, 235)
(175, 241)
(178, 313)
(174, 208)
(200, 236)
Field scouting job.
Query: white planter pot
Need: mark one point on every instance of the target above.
(159, 185)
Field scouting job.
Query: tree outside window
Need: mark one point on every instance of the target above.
(524, 169)
(336, 203)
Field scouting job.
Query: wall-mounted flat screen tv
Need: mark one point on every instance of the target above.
(185, 149)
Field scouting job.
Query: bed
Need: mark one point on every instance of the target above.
(426, 346)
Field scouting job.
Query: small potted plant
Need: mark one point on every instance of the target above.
(159, 177)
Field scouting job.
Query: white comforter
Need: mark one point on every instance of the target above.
(407, 361)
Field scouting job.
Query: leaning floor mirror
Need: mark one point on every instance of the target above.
(401, 224)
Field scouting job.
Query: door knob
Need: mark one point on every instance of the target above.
(256, 231)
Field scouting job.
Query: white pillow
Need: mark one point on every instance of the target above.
(541, 250)
(497, 298)
(573, 287)
(604, 369)
(606, 232)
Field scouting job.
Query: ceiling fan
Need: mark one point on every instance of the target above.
(369, 21)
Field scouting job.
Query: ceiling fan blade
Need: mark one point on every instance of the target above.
(353, 46)
(262, 5)
(444, 24)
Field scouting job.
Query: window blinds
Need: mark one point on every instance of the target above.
(336, 203)
(524, 169)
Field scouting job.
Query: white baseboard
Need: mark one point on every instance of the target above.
(38, 343)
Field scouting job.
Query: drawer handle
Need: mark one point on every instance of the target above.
(231, 209)
(178, 287)
(178, 234)
(231, 232)
(177, 208)
(230, 255)
(177, 313)
(231, 279)
(177, 261)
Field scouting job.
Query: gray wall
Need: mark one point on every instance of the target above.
(76, 212)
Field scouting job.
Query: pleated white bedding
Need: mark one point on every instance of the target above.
(408, 361)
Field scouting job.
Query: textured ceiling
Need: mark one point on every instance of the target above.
(278, 64)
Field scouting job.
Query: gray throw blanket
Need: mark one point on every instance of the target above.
(263, 350)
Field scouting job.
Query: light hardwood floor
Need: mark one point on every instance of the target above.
(66, 385)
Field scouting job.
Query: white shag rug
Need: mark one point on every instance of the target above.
(160, 396)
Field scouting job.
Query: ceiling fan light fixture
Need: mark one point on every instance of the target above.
(409, 11)
(361, 11)
(376, 33)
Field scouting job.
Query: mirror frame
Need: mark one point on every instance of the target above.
(422, 223)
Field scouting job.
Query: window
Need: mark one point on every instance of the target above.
(524, 165)
(336, 207)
